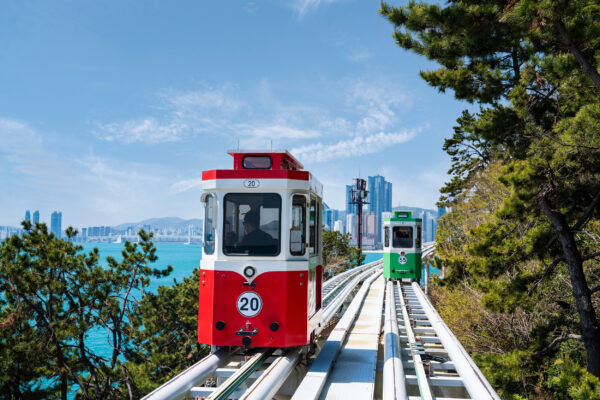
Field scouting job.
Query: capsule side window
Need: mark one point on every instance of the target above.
(298, 226)
(418, 238)
(209, 223)
(386, 236)
(319, 243)
(315, 225)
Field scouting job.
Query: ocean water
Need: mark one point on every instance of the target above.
(183, 258)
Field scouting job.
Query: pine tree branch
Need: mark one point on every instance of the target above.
(561, 338)
(590, 256)
(586, 214)
(550, 268)
(588, 68)
(584, 217)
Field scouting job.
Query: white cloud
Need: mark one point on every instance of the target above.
(302, 7)
(185, 185)
(221, 112)
(256, 117)
(351, 46)
(428, 181)
(182, 103)
(359, 145)
(359, 55)
(250, 7)
(88, 188)
(24, 148)
(112, 187)
(277, 131)
(181, 114)
(147, 130)
(18, 138)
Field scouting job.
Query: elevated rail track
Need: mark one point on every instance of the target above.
(378, 339)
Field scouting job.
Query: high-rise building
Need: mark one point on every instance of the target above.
(425, 227)
(351, 226)
(380, 199)
(55, 223)
(350, 208)
(441, 211)
(429, 226)
(330, 215)
(370, 226)
(432, 229)
(339, 226)
(388, 196)
(27, 216)
(36, 217)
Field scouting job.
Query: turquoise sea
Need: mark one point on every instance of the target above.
(183, 258)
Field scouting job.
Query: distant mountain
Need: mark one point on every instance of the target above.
(162, 223)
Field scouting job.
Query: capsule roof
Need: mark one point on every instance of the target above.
(399, 216)
(261, 159)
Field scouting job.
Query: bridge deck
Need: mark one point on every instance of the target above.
(354, 374)
(426, 360)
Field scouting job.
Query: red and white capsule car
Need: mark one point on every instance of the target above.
(261, 268)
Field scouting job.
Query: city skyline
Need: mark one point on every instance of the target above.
(167, 228)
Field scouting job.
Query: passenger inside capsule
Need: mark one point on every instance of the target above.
(254, 238)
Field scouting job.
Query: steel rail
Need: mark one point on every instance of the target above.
(428, 250)
(418, 363)
(235, 380)
(267, 385)
(337, 282)
(393, 372)
(332, 306)
(179, 386)
(330, 294)
(314, 381)
(331, 281)
(475, 382)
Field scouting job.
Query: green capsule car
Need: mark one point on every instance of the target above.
(401, 246)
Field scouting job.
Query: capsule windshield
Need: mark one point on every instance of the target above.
(402, 237)
(252, 224)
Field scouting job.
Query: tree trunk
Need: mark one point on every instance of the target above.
(63, 386)
(590, 330)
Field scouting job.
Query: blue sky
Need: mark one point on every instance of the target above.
(110, 110)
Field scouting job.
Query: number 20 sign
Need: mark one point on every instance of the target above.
(249, 304)
(251, 183)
